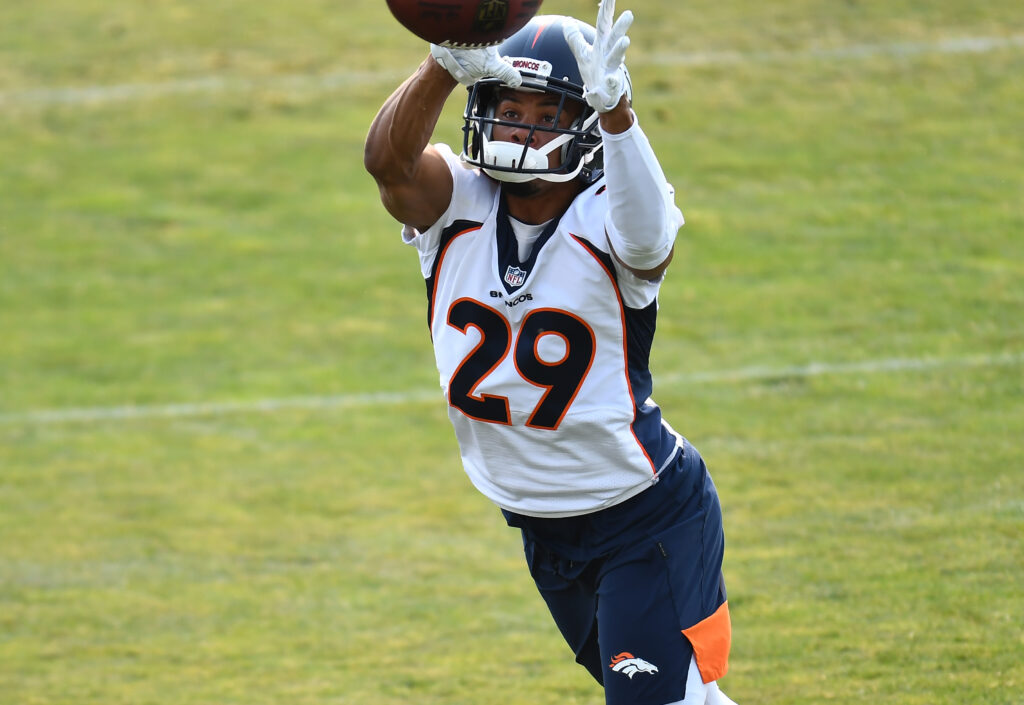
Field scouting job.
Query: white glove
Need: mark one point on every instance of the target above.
(468, 66)
(604, 76)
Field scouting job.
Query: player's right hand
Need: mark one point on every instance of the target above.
(468, 66)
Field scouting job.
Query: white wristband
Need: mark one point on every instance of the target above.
(642, 219)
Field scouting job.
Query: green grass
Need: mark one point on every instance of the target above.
(862, 212)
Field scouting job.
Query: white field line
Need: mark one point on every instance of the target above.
(215, 408)
(955, 45)
(382, 399)
(338, 80)
(128, 92)
(816, 369)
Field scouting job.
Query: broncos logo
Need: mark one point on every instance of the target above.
(631, 665)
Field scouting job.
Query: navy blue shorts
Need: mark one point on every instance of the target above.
(623, 583)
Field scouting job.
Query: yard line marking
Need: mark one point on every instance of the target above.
(339, 401)
(954, 45)
(816, 369)
(191, 410)
(322, 83)
(123, 92)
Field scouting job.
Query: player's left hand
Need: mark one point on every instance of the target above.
(468, 66)
(604, 74)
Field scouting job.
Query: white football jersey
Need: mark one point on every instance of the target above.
(544, 362)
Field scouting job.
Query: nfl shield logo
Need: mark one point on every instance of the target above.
(514, 276)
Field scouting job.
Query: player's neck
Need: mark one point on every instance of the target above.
(539, 201)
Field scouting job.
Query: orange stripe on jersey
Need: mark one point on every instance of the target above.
(625, 343)
(437, 272)
(710, 639)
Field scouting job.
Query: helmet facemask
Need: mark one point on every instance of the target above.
(577, 145)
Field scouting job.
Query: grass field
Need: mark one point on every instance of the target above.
(226, 476)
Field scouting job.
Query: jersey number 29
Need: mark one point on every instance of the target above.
(561, 378)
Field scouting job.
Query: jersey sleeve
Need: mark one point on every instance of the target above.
(464, 189)
(636, 292)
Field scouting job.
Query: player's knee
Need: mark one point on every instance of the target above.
(704, 694)
(700, 693)
(696, 689)
(716, 696)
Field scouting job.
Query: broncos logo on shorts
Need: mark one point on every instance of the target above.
(631, 665)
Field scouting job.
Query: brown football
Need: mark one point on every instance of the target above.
(464, 23)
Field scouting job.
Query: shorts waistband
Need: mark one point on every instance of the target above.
(583, 535)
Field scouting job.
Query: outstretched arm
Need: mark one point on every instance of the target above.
(414, 181)
(642, 219)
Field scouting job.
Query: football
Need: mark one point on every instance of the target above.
(464, 23)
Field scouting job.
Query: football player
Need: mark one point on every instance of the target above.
(543, 245)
